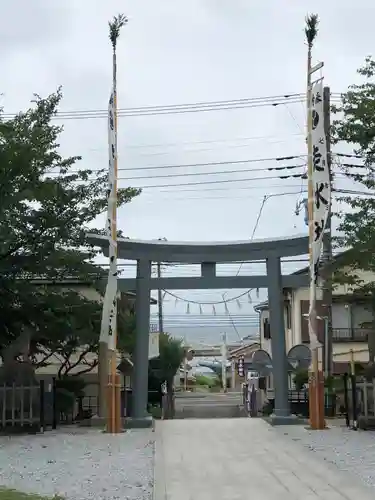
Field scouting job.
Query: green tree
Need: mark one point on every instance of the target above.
(165, 367)
(301, 379)
(355, 125)
(47, 206)
(74, 340)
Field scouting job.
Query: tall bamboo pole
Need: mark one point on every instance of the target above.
(311, 32)
(113, 416)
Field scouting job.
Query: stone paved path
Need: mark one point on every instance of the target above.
(233, 459)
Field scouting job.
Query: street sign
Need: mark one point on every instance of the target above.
(241, 366)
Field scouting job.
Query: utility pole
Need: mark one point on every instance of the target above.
(327, 249)
(160, 301)
(160, 296)
(224, 362)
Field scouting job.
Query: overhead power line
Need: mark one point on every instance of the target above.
(209, 141)
(214, 172)
(274, 100)
(226, 189)
(217, 172)
(223, 181)
(202, 164)
(179, 108)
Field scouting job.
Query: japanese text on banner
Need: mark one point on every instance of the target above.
(320, 177)
(109, 316)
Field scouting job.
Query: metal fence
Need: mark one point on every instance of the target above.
(359, 400)
(366, 397)
(299, 403)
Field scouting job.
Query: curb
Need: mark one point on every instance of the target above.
(159, 491)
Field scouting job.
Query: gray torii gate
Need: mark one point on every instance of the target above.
(208, 255)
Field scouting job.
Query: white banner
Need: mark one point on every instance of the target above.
(153, 345)
(109, 315)
(321, 191)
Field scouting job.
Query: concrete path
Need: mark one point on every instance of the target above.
(236, 459)
(209, 405)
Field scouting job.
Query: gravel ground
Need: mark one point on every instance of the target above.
(80, 464)
(350, 451)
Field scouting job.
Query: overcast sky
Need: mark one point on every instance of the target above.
(178, 52)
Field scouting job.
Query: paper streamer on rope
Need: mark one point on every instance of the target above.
(257, 293)
(188, 308)
(213, 310)
(200, 309)
(226, 308)
(249, 298)
(109, 314)
(321, 188)
(239, 305)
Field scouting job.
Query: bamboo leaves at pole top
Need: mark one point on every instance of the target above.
(311, 29)
(114, 28)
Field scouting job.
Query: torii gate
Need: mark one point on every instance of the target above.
(208, 255)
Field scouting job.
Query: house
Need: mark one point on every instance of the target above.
(351, 322)
(245, 352)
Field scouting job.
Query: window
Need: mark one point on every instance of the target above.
(266, 329)
(288, 316)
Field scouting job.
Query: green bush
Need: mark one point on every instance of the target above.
(68, 390)
(267, 409)
(301, 379)
(207, 381)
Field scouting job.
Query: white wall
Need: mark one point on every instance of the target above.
(341, 316)
(341, 352)
(298, 295)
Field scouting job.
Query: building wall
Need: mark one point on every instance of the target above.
(344, 316)
(341, 316)
(266, 343)
(341, 352)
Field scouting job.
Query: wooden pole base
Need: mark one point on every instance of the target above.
(316, 400)
(114, 425)
(316, 394)
(114, 421)
(117, 396)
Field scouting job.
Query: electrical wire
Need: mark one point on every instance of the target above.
(222, 181)
(272, 139)
(255, 226)
(178, 108)
(202, 164)
(294, 119)
(186, 108)
(214, 172)
(226, 189)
